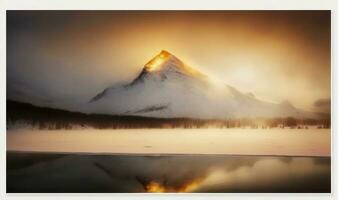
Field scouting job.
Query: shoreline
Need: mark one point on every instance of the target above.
(159, 154)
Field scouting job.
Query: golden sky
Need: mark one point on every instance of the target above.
(73, 55)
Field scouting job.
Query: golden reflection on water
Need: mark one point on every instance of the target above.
(188, 186)
(249, 174)
(48, 172)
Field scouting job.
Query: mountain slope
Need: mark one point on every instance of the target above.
(167, 87)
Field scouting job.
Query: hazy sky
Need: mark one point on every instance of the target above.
(65, 57)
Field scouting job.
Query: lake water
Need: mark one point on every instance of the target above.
(281, 142)
(55, 173)
(169, 160)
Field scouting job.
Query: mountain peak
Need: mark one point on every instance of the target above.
(165, 61)
(159, 61)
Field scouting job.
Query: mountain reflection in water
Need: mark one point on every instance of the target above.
(47, 172)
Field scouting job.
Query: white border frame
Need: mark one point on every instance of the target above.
(167, 5)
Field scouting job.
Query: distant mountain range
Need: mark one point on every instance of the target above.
(168, 88)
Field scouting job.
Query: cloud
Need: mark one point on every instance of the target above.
(323, 105)
(76, 54)
(322, 102)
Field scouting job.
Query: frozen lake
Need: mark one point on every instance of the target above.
(293, 142)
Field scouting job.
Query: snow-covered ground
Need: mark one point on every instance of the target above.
(295, 142)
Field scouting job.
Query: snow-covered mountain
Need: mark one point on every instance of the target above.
(167, 87)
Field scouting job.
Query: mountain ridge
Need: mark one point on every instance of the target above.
(166, 80)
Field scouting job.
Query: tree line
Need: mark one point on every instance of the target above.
(49, 118)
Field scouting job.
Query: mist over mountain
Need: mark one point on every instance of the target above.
(167, 87)
(166, 94)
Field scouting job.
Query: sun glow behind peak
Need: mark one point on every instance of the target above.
(165, 60)
(156, 63)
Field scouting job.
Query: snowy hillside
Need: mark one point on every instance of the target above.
(167, 87)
